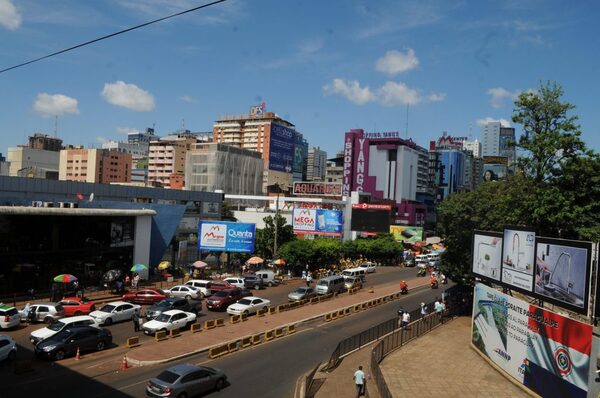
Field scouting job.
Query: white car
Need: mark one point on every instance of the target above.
(184, 291)
(8, 348)
(115, 311)
(173, 319)
(237, 282)
(248, 305)
(202, 284)
(50, 330)
(368, 267)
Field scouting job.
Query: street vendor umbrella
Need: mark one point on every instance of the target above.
(112, 275)
(279, 261)
(199, 264)
(139, 267)
(255, 260)
(164, 265)
(65, 278)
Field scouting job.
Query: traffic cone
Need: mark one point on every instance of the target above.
(77, 356)
(124, 363)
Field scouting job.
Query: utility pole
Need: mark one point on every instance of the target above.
(275, 222)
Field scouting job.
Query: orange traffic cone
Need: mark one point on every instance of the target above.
(77, 356)
(124, 363)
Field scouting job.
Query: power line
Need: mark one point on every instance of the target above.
(113, 34)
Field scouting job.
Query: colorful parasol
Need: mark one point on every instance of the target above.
(255, 260)
(279, 261)
(139, 267)
(65, 278)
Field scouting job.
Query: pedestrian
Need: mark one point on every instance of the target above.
(289, 274)
(27, 312)
(127, 280)
(135, 281)
(438, 308)
(136, 320)
(359, 381)
(303, 274)
(405, 320)
(423, 309)
(308, 279)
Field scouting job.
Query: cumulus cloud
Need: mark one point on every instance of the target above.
(398, 93)
(486, 120)
(48, 105)
(394, 62)
(9, 15)
(128, 96)
(351, 90)
(499, 94)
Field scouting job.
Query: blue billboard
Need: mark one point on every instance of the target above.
(317, 222)
(226, 236)
(281, 148)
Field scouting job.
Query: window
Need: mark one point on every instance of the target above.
(3, 343)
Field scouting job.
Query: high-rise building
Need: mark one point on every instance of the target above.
(101, 166)
(316, 167)
(507, 148)
(33, 163)
(335, 168)
(166, 158)
(473, 146)
(491, 139)
(450, 164)
(300, 164)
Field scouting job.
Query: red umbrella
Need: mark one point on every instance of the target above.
(279, 262)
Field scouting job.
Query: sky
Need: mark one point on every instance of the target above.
(417, 67)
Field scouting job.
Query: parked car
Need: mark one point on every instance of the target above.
(202, 284)
(409, 262)
(302, 293)
(351, 282)
(188, 292)
(145, 296)
(224, 298)
(9, 317)
(185, 380)
(248, 305)
(8, 348)
(68, 341)
(64, 323)
(169, 320)
(268, 277)
(369, 267)
(253, 282)
(216, 286)
(115, 311)
(185, 305)
(75, 306)
(237, 282)
(43, 312)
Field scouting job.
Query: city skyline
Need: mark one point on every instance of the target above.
(326, 69)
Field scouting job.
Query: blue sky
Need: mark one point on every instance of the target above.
(326, 66)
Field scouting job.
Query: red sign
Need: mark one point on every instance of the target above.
(371, 206)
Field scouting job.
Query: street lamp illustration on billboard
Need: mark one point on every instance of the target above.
(515, 257)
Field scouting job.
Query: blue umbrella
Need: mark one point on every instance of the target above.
(139, 267)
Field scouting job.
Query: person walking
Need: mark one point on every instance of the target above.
(405, 320)
(423, 310)
(359, 381)
(136, 321)
(135, 281)
(439, 308)
(308, 279)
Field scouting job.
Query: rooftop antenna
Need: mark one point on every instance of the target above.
(407, 105)
(183, 124)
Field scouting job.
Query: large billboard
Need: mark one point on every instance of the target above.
(518, 258)
(403, 233)
(226, 236)
(317, 188)
(371, 218)
(281, 148)
(318, 222)
(487, 254)
(562, 272)
(546, 352)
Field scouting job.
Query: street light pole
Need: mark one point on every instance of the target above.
(276, 214)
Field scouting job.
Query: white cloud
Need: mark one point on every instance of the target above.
(187, 98)
(498, 95)
(128, 96)
(9, 15)
(436, 97)
(394, 62)
(484, 121)
(221, 14)
(48, 105)
(102, 140)
(383, 17)
(398, 93)
(311, 46)
(351, 90)
(127, 130)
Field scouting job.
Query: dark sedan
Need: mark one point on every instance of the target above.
(66, 342)
(185, 380)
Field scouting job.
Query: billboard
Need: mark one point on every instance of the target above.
(318, 221)
(562, 272)
(317, 188)
(226, 236)
(370, 218)
(281, 148)
(546, 352)
(404, 233)
(487, 254)
(518, 258)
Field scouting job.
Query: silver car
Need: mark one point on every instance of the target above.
(302, 293)
(43, 312)
(185, 380)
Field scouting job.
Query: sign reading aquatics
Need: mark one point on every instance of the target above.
(226, 236)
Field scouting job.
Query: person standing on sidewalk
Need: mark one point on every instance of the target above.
(423, 310)
(439, 308)
(136, 321)
(359, 381)
(405, 320)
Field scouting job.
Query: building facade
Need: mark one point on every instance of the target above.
(33, 163)
(490, 139)
(166, 157)
(45, 142)
(335, 168)
(316, 165)
(474, 147)
(100, 166)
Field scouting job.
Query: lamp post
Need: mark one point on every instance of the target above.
(275, 222)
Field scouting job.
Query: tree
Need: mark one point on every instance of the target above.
(265, 238)
(549, 134)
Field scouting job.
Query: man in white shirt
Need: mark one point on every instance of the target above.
(405, 319)
(359, 381)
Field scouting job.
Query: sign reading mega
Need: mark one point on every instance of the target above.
(226, 236)
(317, 188)
(281, 148)
(318, 222)
(546, 352)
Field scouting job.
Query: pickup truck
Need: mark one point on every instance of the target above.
(173, 303)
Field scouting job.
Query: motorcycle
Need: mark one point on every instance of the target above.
(434, 284)
(404, 290)
(422, 272)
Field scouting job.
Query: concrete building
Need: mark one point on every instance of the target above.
(45, 142)
(507, 148)
(334, 171)
(300, 163)
(100, 166)
(316, 164)
(166, 157)
(474, 147)
(490, 137)
(212, 166)
(33, 163)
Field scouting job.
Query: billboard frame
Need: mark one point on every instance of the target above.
(492, 234)
(510, 228)
(228, 246)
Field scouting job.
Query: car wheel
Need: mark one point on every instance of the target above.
(101, 345)
(182, 395)
(219, 384)
(11, 356)
(257, 287)
(270, 284)
(60, 354)
(246, 313)
(48, 320)
(108, 321)
(77, 313)
(188, 297)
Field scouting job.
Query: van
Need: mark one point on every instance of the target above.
(330, 284)
(267, 276)
(360, 272)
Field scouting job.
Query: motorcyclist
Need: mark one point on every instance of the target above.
(433, 281)
(403, 287)
(443, 279)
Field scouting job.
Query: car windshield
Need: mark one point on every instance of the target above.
(107, 308)
(300, 290)
(167, 376)
(164, 303)
(244, 302)
(56, 326)
(222, 293)
(163, 318)
(322, 283)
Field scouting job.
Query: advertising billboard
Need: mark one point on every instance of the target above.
(518, 258)
(403, 233)
(487, 254)
(546, 352)
(281, 148)
(370, 218)
(562, 272)
(226, 236)
(317, 188)
(318, 221)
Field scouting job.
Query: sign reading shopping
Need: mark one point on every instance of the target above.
(317, 222)
(226, 236)
(546, 352)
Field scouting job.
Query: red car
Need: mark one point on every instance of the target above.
(145, 296)
(223, 298)
(216, 286)
(77, 306)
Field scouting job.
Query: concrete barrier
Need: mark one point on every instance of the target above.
(334, 315)
(233, 346)
(246, 342)
(357, 308)
(174, 333)
(364, 306)
(280, 308)
(196, 327)
(133, 342)
(340, 314)
(328, 318)
(216, 352)
(256, 339)
(261, 312)
(291, 329)
(348, 310)
(160, 336)
(269, 335)
(235, 319)
(272, 310)
(210, 324)
(278, 332)
(314, 300)
(220, 322)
